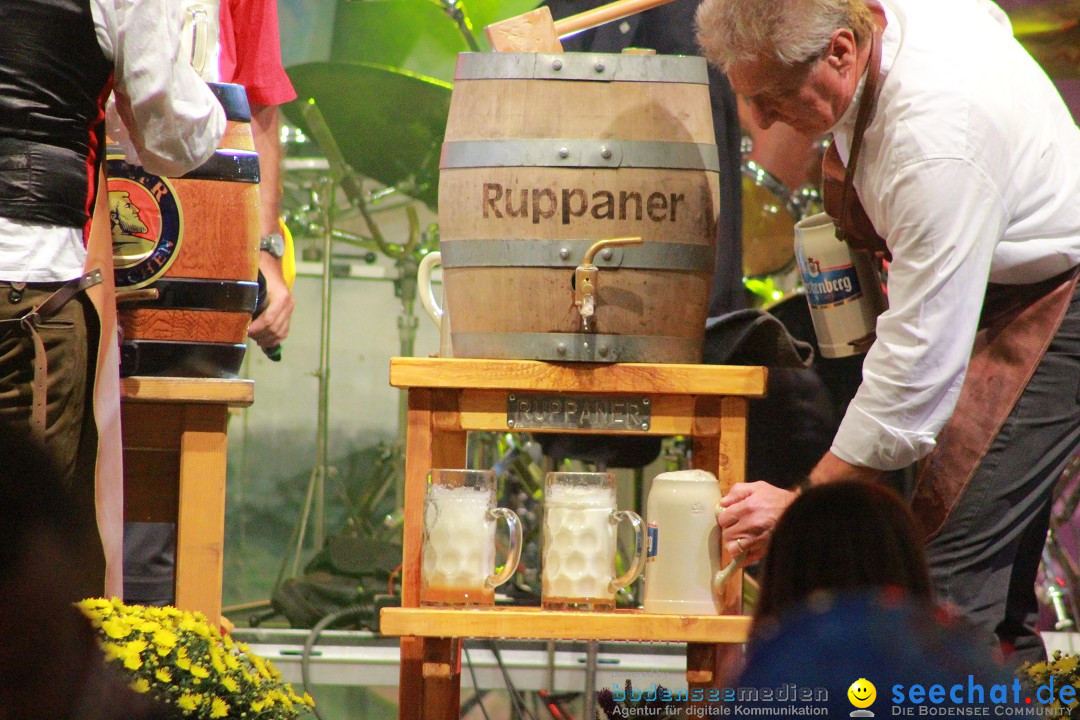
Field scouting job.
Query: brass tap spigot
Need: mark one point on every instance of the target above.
(585, 277)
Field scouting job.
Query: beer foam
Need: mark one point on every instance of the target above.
(459, 537)
(580, 496)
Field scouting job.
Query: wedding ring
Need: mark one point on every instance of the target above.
(738, 541)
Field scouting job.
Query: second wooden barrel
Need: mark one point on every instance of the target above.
(544, 155)
(185, 256)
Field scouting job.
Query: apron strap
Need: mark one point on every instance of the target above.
(838, 182)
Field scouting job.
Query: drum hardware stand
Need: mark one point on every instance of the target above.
(1062, 591)
(314, 500)
(455, 12)
(406, 259)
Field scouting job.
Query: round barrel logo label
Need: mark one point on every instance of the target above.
(146, 224)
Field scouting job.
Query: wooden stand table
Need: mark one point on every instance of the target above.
(449, 397)
(175, 445)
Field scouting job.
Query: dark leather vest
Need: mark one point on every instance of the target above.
(54, 80)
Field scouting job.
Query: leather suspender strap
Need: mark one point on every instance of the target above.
(866, 105)
(866, 108)
(838, 182)
(30, 322)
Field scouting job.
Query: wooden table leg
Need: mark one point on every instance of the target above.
(442, 678)
(200, 538)
(723, 454)
(433, 439)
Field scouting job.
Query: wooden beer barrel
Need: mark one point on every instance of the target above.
(546, 154)
(185, 255)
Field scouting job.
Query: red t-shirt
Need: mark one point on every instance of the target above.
(251, 51)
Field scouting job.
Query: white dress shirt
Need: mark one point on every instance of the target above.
(970, 170)
(174, 121)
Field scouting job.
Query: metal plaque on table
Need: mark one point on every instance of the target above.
(578, 412)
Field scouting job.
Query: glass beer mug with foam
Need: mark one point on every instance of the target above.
(458, 553)
(580, 524)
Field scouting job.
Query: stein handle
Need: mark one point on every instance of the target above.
(638, 564)
(513, 556)
(200, 30)
(722, 575)
(734, 564)
(427, 295)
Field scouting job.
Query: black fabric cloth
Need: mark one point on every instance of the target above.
(985, 559)
(53, 83)
(791, 427)
(754, 337)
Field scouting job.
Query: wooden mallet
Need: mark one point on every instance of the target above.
(536, 31)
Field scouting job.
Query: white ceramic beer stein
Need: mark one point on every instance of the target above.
(683, 573)
(842, 288)
(458, 553)
(580, 523)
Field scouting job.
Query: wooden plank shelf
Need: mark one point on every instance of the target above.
(529, 375)
(230, 392)
(635, 625)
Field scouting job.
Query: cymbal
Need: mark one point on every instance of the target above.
(389, 123)
(1045, 17)
(1058, 52)
(414, 35)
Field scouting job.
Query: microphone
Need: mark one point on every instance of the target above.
(274, 353)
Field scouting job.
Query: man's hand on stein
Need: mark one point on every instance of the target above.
(747, 515)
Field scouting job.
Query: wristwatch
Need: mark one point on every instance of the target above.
(273, 243)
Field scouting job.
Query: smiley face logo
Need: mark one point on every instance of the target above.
(862, 693)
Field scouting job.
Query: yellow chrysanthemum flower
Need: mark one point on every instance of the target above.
(200, 672)
(183, 663)
(188, 702)
(218, 708)
(116, 628)
(231, 662)
(163, 675)
(165, 637)
(217, 661)
(229, 684)
(141, 685)
(133, 661)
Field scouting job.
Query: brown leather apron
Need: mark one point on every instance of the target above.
(109, 488)
(1015, 329)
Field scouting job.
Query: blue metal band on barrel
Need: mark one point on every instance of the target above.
(582, 67)
(578, 347)
(544, 252)
(579, 154)
(181, 359)
(228, 166)
(233, 99)
(216, 295)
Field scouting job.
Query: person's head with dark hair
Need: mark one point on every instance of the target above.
(835, 643)
(842, 536)
(32, 503)
(50, 663)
